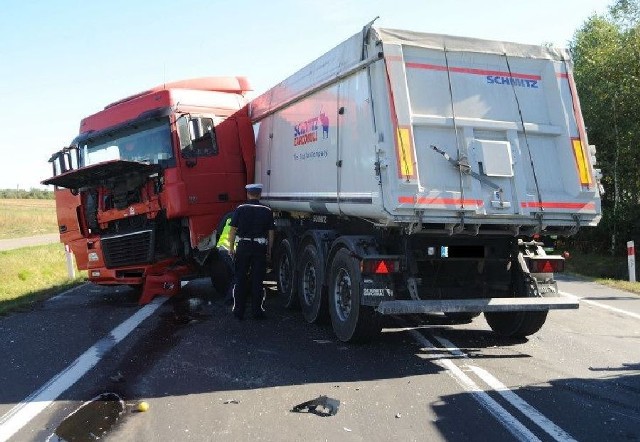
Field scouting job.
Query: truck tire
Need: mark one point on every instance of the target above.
(515, 324)
(220, 276)
(284, 274)
(351, 321)
(311, 278)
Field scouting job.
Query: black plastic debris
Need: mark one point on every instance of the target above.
(92, 420)
(321, 406)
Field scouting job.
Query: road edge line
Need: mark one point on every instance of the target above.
(21, 414)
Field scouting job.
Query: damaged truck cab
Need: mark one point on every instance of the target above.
(142, 188)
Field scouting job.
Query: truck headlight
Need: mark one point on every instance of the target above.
(93, 256)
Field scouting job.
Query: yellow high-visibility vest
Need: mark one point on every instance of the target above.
(224, 236)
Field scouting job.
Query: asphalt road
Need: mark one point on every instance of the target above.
(38, 240)
(207, 376)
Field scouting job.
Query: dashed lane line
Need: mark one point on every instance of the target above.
(524, 407)
(510, 422)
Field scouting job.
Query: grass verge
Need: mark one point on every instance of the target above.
(611, 271)
(31, 274)
(20, 218)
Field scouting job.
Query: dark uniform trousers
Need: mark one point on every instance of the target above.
(250, 269)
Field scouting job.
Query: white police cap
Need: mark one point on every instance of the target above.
(253, 187)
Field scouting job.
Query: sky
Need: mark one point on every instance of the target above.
(65, 59)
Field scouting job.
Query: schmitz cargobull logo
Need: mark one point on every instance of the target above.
(306, 131)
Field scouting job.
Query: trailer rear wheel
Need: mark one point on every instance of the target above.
(351, 321)
(314, 306)
(284, 274)
(515, 324)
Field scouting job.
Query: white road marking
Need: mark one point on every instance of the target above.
(30, 407)
(66, 292)
(601, 305)
(538, 418)
(510, 422)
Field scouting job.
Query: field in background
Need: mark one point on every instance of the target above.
(27, 217)
(30, 274)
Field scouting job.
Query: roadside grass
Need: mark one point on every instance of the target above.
(31, 274)
(611, 271)
(27, 217)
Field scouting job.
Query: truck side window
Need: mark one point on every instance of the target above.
(197, 137)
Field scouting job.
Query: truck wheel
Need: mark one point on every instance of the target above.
(351, 321)
(220, 276)
(515, 324)
(314, 307)
(284, 274)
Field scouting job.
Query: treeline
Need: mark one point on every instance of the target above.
(606, 56)
(32, 194)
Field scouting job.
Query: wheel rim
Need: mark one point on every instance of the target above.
(309, 283)
(284, 274)
(342, 295)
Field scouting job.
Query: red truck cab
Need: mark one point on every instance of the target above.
(142, 188)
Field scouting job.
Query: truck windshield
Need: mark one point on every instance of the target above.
(148, 142)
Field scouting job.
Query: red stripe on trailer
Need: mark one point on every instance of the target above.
(631, 251)
(558, 205)
(435, 67)
(439, 201)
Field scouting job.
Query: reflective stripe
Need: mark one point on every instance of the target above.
(258, 240)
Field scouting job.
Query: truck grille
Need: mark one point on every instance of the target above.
(128, 249)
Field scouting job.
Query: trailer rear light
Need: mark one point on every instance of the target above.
(546, 265)
(380, 266)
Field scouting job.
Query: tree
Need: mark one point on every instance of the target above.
(606, 54)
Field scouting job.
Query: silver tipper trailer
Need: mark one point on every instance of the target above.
(417, 173)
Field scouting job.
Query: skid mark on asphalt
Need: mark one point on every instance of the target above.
(29, 408)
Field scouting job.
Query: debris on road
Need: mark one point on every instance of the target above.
(321, 406)
(231, 401)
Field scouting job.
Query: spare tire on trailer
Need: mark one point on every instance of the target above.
(351, 321)
(516, 324)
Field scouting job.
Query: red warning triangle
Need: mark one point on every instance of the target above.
(547, 267)
(382, 268)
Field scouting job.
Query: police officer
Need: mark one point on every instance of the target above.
(251, 238)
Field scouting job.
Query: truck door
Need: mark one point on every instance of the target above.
(355, 148)
(212, 167)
